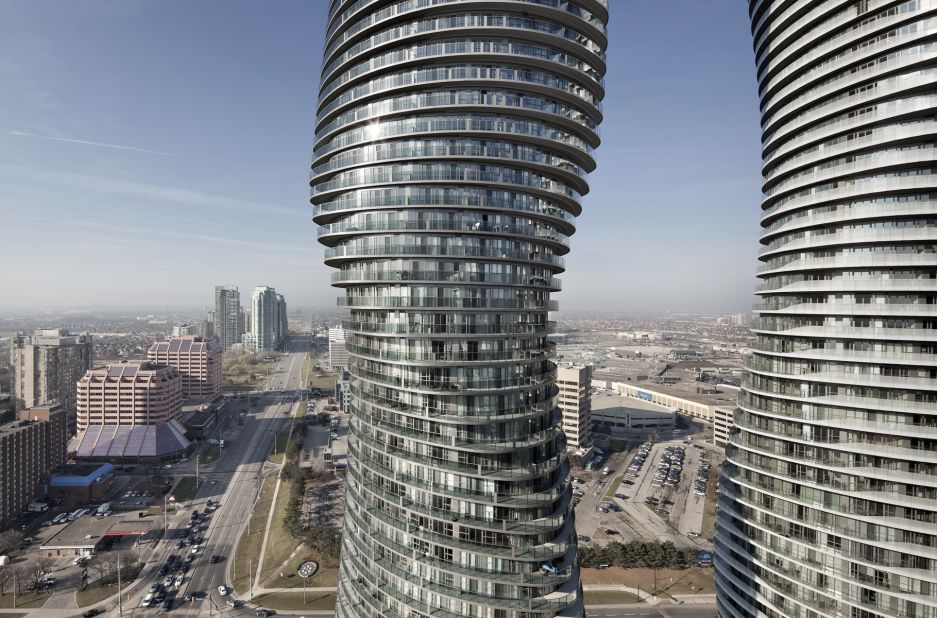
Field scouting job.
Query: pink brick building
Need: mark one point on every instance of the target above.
(134, 393)
(198, 362)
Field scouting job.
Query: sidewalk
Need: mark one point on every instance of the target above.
(641, 594)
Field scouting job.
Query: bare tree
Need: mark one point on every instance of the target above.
(102, 564)
(20, 575)
(37, 570)
(6, 575)
(10, 539)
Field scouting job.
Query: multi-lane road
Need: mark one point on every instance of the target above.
(234, 481)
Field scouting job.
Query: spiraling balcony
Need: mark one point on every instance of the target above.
(453, 141)
(827, 477)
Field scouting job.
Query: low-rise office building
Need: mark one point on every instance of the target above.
(87, 535)
(615, 416)
(81, 483)
(700, 403)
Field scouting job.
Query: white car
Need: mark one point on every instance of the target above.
(179, 579)
(222, 590)
(194, 549)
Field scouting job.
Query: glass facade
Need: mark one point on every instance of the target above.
(828, 503)
(453, 141)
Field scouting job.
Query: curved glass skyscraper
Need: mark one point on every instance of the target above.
(453, 140)
(829, 497)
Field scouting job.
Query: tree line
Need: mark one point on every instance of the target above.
(638, 554)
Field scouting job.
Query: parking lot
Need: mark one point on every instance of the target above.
(652, 492)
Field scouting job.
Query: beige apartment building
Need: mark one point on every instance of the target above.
(575, 402)
(46, 366)
(198, 362)
(31, 447)
(723, 421)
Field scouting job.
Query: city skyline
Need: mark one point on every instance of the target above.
(82, 171)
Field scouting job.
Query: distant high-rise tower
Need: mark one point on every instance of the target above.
(828, 505)
(453, 141)
(338, 351)
(46, 367)
(227, 317)
(283, 325)
(265, 320)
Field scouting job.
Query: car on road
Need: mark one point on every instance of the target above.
(263, 613)
(194, 549)
(215, 559)
(168, 602)
(155, 586)
(611, 532)
(627, 482)
(180, 578)
(621, 496)
(180, 544)
(184, 567)
(693, 535)
(167, 581)
(223, 590)
(233, 602)
(91, 613)
(163, 570)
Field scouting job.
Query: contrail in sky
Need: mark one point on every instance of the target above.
(88, 143)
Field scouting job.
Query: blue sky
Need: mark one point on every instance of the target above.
(151, 149)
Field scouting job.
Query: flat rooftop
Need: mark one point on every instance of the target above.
(83, 532)
(80, 469)
(686, 388)
(8, 429)
(89, 530)
(603, 401)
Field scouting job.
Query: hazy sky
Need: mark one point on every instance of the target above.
(151, 149)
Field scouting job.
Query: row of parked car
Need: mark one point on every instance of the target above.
(702, 478)
(638, 462)
(670, 468)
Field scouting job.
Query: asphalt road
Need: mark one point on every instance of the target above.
(234, 481)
